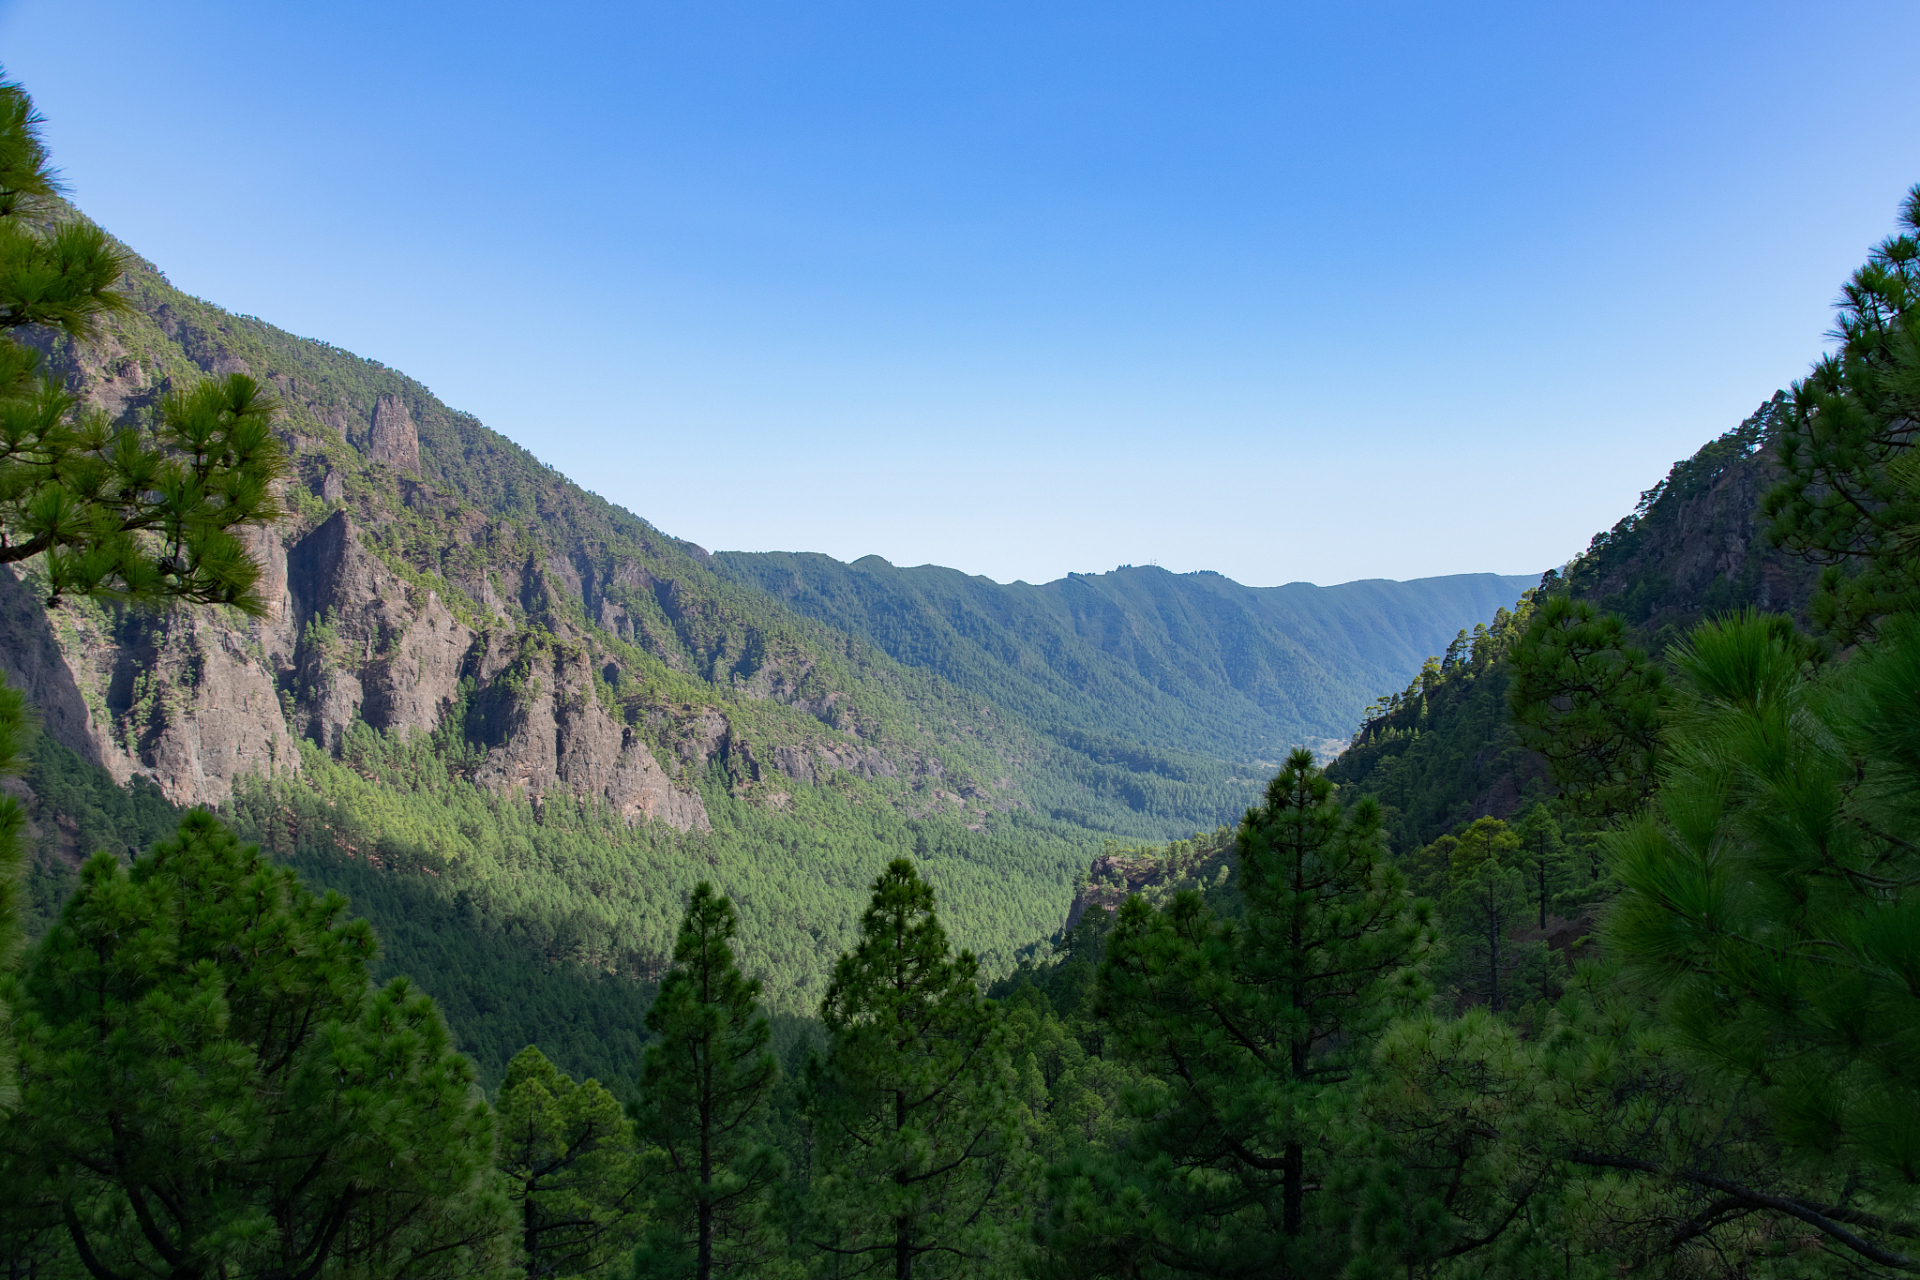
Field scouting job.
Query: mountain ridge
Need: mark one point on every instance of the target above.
(1259, 669)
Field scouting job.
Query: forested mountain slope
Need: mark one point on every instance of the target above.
(517, 723)
(521, 703)
(1694, 547)
(1190, 662)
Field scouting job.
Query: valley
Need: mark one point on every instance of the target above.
(517, 723)
(416, 866)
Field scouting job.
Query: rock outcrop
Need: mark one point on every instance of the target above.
(186, 698)
(393, 439)
(557, 737)
(1202, 862)
(1697, 545)
(370, 647)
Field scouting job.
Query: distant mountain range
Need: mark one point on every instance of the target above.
(1188, 662)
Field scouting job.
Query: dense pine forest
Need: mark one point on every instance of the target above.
(417, 867)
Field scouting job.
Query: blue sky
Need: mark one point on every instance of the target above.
(1294, 292)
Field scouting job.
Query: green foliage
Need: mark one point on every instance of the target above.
(1489, 898)
(705, 1087)
(83, 810)
(209, 1084)
(1484, 840)
(1433, 754)
(16, 730)
(1772, 896)
(1589, 702)
(59, 278)
(147, 516)
(567, 1153)
(1544, 858)
(1249, 1030)
(923, 1162)
(145, 519)
(1452, 1156)
(491, 898)
(1849, 496)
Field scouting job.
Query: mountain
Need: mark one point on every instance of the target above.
(1694, 547)
(516, 724)
(1191, 662)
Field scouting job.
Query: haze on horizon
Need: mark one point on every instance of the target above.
(1290, 293)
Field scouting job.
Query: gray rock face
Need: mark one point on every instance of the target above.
(369, 650)
(366, 648)
(1692, 540)
(214, 715)
(815, 762)
(558, 738)
(33, 661)
(194, 698)
(187, 699)
(393, 439)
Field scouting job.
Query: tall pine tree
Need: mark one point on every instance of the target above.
(1543, 858)
(921, 1144)
(567, 1151)
(705, 1085)
(1252, 1028)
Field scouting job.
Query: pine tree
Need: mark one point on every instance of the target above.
(1771, 897)
(151, 516)
(1849, 496)
(1253, 1029)
(1484, 839)
(706, 1083)
(1590, 703)
(210, 1085)
(1543, 857)
(567, 1151)
(1486, 903)
(922, 1152)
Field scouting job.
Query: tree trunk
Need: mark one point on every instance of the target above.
(1493, 969)
(1293, 1192)
(530, 1229)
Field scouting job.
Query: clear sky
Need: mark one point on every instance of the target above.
(1288, 291)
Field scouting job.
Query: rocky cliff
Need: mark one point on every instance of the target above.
(1696, 544)
(434, 579)
(1206, 862)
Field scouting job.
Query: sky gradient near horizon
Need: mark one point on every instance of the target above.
(1291, 292)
